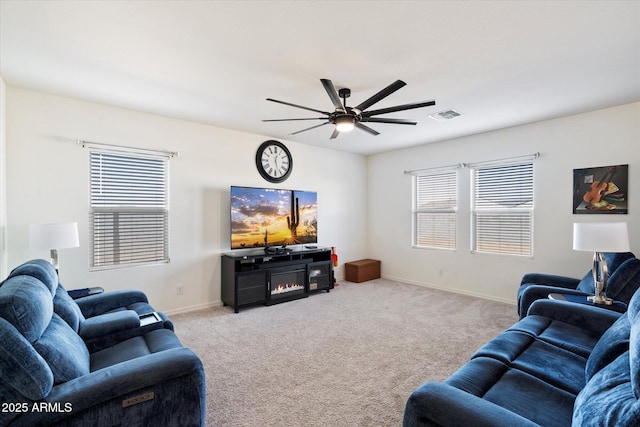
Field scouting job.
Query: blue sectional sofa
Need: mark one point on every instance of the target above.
(563, 364)
(60, 367)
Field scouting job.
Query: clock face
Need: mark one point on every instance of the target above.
(274, 161)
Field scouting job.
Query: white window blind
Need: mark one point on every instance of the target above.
(129, 209)
(502, 208)
(434, 210)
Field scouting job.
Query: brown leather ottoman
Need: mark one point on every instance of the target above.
(362, 270)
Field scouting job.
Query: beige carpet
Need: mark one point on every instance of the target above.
(349, 357)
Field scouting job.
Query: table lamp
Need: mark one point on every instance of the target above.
(599, 238)
(54, 237)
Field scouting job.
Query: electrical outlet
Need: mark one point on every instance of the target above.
(179, 290)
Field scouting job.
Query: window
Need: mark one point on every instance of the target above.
(502, 208)
(434, 209)
(129, 209)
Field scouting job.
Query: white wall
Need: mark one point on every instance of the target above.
(364, 204)
(600, 138)
(47, 175)
(3, 180)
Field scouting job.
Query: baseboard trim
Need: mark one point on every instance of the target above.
(396, 279)
(193, 308)
(454, 291)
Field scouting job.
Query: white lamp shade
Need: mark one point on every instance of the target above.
(53, 236)
(601, 237)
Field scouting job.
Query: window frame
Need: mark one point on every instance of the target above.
(443, 210)
(116, 209)
(509, 182)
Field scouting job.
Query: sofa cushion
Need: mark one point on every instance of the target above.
(560, 334)
(608, 398)
(67, 308)
(63, 350)
(21, 367)
(611, 395)
(611, 345)
(551, 364)
(27, 304)
(634, 344)
(41, 270)
(151, 342)
(624, 281)
(496, 382)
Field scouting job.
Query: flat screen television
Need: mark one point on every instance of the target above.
(264, 217)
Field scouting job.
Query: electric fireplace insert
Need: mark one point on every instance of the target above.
(287, 283)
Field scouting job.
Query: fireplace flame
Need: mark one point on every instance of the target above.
(286, 287)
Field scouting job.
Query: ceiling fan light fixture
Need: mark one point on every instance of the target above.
(345, 118)
(345, 123)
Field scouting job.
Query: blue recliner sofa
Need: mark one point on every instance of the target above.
(623, 281)
(102, 319)
(50, 376)
(564, 364)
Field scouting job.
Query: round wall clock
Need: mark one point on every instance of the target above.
(274, 161)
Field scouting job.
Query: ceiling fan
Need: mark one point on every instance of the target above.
(346, 118)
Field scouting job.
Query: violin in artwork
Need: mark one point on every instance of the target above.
(599, 188)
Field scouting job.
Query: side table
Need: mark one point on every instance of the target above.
(618, 306)
(84, 292)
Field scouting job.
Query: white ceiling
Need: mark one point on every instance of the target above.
(499, 63)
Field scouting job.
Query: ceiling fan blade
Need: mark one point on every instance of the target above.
(380, 95)
(398, 108)
(335, 134)
(383, 120)
(298, 106)
(287, 120)
(366, 128)
(333, 93)
(312, 127)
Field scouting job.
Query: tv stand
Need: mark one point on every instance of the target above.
(272, 278)
(272, 250)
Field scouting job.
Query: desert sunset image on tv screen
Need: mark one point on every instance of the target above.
(272, 217)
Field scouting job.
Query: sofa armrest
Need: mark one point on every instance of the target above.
(108, 387)
(93, 305)
(444, 405)
(550, 280)
(531, 293)
(583, 316)
(108, 323)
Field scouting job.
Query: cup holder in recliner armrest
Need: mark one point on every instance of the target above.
(149, 318)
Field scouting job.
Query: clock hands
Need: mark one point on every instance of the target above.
(274, 161)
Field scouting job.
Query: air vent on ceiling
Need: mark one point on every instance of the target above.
(445, 115)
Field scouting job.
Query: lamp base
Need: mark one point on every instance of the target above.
(54, 258)
(600, 299)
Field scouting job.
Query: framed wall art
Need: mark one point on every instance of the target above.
(601, 190)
